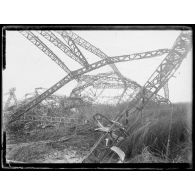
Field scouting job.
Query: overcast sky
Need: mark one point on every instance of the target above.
(27, 67)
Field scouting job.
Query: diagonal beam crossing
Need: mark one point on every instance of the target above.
(37, 42)
(74, 49)
(51, 37)
(77, 74)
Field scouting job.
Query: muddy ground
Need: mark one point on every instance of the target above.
(50, 145)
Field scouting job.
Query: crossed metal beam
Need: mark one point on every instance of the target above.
(162, 74)
(73, 51)
(91, 48)
(157, 80)
(77, 73)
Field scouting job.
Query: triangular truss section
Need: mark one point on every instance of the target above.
(158, 80)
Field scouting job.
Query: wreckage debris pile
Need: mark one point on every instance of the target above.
(146, 144)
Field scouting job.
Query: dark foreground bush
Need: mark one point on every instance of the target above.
(166, 140)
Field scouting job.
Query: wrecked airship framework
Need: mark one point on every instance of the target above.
(141, 96)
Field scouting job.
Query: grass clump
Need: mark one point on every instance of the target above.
(168, 139)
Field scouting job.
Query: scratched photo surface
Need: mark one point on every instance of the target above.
(91, 96)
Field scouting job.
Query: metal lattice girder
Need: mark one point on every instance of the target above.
(106, 80)
(36, 94)
(103, 82)
(76, 74)
(99, 151)
(52, 97)
(49, 119)
(74, 48)
(138, 56)
(122, 95)
(170, 64)
(88, 80)
(130, 57)
(52, 38)
(166, 91)
(76, 91)
(63, 47)
(179, 51)
(57, 42)
(37, 42)
(68, 102)
(105, 85)
(75, 102)
(76, 105)
(88, 46)
(162, 74)
(99, 76)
